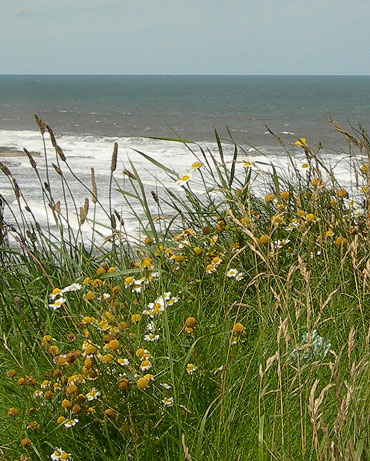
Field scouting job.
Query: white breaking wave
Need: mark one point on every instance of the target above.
(86, 152)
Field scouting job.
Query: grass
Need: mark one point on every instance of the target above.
(238, 328)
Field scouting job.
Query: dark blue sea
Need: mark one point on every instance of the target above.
(193, 106)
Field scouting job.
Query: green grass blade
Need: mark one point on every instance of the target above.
(156, 163)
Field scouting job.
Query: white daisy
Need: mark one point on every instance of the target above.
(59, 454)
(123, 362)
(218, 370)
(173, 300)
(57, 304)
(190, 368)
(56, 292)
(151, 327)
(280, 243)
(73, 287)
(165, 386)
(167, 402)
(145, 365)
(231, 273)
(93, 395)
(136, 287)
(71, 423)
(151, 337)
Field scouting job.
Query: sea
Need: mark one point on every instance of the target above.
(89, 113)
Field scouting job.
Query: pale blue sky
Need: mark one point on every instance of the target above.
(185, 36)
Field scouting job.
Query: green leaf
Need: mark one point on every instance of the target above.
(180, 140)
(156, 163)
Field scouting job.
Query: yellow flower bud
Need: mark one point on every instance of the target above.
(142, 383)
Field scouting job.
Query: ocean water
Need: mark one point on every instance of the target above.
(122, 106)
(90, 113)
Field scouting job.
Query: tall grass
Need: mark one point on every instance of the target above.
(236, 328)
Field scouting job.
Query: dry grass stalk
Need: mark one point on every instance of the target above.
(344, 418)
(86, 206)
(40, 124)
(347, 135)
(306, 276)
(129, 174)
(341, 420)
(325, 453)
(57, 169)
(60, 152)
(260, 371)
(351, 341)
(83, 211)
(17, 191)
(323, 305)
(52, 137)
(366, 271)
(185, 448)
(30, 158)
(94, 188)
(274, 135)
(356, 370)
(36, 261)
(31, 236)
(155, 196)
(351, 454)
(113, 165)
(270, 361)
(5, 169)
(283, 329)
(82, 216)
(314, 410)
(289, 276)
(119, 217)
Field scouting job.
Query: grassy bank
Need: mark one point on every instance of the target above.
(236, 328)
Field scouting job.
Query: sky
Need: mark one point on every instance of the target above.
(242, 37)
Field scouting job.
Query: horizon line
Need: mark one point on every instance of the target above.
(180, 75)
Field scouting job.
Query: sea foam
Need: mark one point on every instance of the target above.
(86, 152)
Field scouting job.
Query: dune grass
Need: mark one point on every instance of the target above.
(236, 329)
